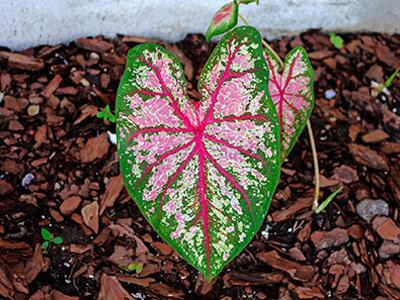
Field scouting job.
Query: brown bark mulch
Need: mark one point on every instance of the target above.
(59, 170)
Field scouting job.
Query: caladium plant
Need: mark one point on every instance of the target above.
(202, 173)
(292, 92)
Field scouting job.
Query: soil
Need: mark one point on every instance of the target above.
(59, 171)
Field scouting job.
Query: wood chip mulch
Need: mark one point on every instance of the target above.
(59, 171)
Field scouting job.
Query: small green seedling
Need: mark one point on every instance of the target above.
(135, 266)
(106, 114)
(49, 238)
(336, 40)
(388, 81)
(328, 200)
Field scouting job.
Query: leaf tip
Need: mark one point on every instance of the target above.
(224, 20)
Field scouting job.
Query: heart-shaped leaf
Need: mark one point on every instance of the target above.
(292, 92)
(224, 20)
(202, 173)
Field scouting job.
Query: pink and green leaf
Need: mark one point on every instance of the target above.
(224, 20)
(292, 92)
(202, 173)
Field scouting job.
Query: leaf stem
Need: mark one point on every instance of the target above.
(316, 166)
(244, 20)
(309, 127)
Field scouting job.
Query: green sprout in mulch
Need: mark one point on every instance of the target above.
(106, 114)
(49, 238)
(378, 88)
(135, 266)
(336, 40)
(328, 200)
(388, 81)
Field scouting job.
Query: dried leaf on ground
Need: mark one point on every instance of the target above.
(250, 279)
(297, 271)
(21, 61)
(386, 228)
(95, 148)
(87, 110)
(388, 249)
(52, 86)
(166, 291)
(122, 256)
(368, 157)
(90, 216)
(385, 55)
(57, 295)
(145, 282)
(375, 136)
(95, 44)
(6, 288)
(345, 174)
(292, 209)
(36, 264)
(5, 187)
(70, 204)
(111, 289)
(392, 274)
(309, 293)
(326, 239)
(113, 188)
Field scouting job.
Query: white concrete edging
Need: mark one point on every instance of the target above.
(26, 23)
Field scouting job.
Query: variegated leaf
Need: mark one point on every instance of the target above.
(202, 173)
(292, 92)
(224, 20)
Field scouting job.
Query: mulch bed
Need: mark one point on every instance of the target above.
(59, 170)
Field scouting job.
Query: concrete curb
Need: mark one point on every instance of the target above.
(26, 23)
